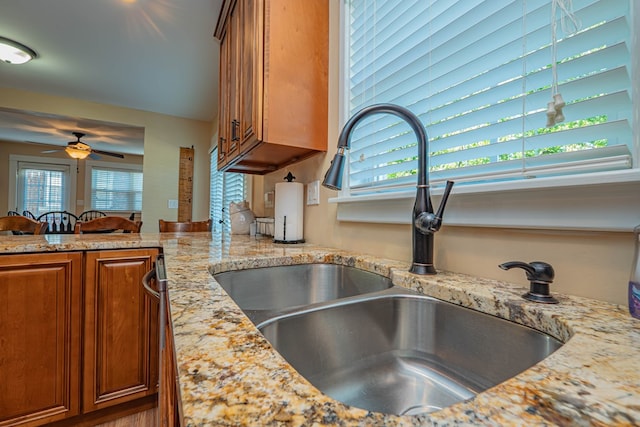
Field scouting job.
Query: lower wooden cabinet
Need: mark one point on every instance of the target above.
(78, 336)
(40, 336)
(120, 329)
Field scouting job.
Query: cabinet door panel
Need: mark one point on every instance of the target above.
(40, 320)
(251, 47)
(234, 81)
(120, 352)
(223, 102)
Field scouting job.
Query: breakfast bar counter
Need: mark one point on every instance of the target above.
(229, 375)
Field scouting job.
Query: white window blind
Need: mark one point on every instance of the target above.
(42, 187)
(116, 189)
(478, 75)
(225, 187)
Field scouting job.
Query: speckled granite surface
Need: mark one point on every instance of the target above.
(230, 376)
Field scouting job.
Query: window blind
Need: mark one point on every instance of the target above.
(116, 189)
(225, 187)
(478, 74)
(42, 187)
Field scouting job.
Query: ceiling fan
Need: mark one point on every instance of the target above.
(79, 150)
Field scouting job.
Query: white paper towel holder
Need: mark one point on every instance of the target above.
(285, 236)
(288, 178)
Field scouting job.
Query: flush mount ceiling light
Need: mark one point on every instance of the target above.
(13, 52)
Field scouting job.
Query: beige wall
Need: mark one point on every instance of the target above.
(164, 135)
(590, 264)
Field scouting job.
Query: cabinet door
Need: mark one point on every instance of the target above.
(120, 349)
(223, 102)
(251, 36)
(40, 324)
(233, 30)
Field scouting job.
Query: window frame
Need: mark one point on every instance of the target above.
(224, 227)
(14, 159)
(88, 181)
(604, 201)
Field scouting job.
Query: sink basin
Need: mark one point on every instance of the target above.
(404, 353)
(263, 293)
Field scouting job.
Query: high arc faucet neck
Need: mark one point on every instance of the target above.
(344, 140)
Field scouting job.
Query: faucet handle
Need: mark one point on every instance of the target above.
(428, 222)
(443, 202)
(540, 274)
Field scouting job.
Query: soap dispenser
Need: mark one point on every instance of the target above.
(634, 280)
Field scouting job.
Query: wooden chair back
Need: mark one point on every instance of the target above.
(187, 226)
(108, 224)
(28, 214)
(22, 225)
(89, 215)
(60, 222)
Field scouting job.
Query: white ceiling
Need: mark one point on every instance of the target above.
(152, 55)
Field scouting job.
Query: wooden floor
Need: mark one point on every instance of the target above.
(141, 419)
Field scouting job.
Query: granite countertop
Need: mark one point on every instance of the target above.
(229, 375)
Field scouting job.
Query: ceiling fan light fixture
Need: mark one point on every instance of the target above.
(13, 52)
(77, 153)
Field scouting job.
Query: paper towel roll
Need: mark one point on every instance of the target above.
(289, 214)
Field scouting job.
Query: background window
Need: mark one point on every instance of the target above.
(225, 187)
(479, 76)
(42, 187)
(116, 189)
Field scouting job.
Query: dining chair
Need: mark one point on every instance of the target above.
(28, 214)
(19, 224)
(60, 222)
(186, 226)
(108, 224)
(89, 215)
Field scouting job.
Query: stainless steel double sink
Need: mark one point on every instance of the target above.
(380, 347)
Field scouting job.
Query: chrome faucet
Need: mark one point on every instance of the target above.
(425, 222)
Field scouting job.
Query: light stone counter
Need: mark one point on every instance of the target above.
(230, 376)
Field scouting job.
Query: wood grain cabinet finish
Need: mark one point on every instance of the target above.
(224, 114)
(40, 337)
(120, 329)
(273, 83)
(168, 400)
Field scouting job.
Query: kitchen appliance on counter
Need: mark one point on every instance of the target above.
(264, 226)
(289, 213)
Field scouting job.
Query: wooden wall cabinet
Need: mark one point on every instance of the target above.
(40, 336)
(273, 83)
(120, 329)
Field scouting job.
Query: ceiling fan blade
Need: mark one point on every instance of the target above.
(94, 156)
(45, 146)
(50, 151)
(108, 153)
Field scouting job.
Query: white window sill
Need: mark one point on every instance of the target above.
(607, 201)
